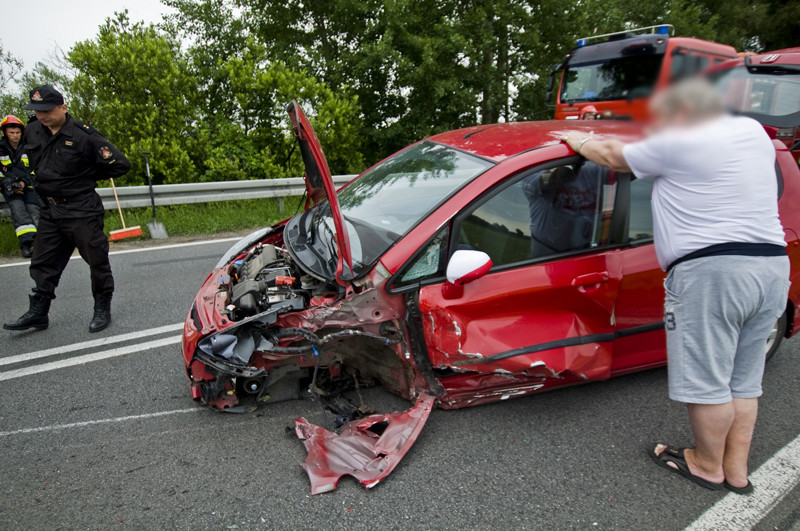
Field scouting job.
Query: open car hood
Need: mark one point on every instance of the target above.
(319, 183)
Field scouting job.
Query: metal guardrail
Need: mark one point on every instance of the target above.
(188, 193)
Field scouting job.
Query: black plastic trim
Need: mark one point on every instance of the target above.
(566, 342)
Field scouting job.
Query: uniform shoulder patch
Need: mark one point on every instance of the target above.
(105, 152)
(83, 126)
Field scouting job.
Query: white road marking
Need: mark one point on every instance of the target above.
(56, 427)
(90, 344)
(143, 249)
(80, 360)
(773, 481)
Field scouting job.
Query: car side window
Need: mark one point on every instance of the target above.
(545, 213)
(428, 263)
(640, 226)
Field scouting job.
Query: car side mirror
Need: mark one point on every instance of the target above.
(464, 267)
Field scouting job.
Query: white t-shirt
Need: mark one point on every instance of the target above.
(714, 183)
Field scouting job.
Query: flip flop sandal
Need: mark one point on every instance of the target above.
(673, 454)
(747, 489)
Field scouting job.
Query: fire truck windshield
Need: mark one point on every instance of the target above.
(622, 78)
(770, 95)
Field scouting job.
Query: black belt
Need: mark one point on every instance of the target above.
(732, 249)
(53, 201)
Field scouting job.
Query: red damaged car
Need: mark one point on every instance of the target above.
(471, 267)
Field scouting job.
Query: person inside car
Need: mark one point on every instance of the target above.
(562, 207)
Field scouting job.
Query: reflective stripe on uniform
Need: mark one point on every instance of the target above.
(24, 159)
(25, 229)
(5, 160)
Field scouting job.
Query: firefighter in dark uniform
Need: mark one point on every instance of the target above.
(68, 157)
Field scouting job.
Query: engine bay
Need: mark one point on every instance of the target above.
(267, 276)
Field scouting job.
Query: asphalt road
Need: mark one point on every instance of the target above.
(91, 443)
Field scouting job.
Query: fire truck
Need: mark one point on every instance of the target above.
(617, 72)
(765, 87)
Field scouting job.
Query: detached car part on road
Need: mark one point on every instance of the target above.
(471, 267)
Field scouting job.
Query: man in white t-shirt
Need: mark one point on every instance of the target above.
(718, 236)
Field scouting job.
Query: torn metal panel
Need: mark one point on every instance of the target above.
(367, 449)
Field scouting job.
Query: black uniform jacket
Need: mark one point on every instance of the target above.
(69, 164)
(14, 164)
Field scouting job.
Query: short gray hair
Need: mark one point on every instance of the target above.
(696, 95)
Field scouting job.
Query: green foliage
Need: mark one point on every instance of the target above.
(140, 91)
(256, 132)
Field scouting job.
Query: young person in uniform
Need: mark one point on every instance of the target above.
(17, 183)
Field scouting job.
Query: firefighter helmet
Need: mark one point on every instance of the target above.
(11, 121)
(591, 111)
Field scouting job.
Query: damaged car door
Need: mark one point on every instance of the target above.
(543, 314)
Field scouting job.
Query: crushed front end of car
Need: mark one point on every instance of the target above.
(263, 330)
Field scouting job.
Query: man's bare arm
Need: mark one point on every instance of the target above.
(607, 153)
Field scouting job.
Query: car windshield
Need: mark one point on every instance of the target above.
(617, 79)
(770, 96)
(386, 202)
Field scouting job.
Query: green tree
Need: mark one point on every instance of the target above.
(135, 86)
(253, 140)
(417, 66)
(244, 89)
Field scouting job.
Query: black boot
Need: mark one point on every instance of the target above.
(102, 313)
(35, 317)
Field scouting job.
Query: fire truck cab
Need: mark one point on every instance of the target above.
(765, 87)
(617, 72)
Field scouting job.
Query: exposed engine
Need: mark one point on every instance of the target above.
(265, 277)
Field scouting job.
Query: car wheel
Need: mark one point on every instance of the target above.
(776, 335)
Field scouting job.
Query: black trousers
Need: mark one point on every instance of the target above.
(55, 241)
(25, 209)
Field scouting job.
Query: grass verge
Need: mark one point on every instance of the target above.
(186, 220)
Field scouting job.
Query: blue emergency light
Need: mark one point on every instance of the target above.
(663, 30)
(581, 42)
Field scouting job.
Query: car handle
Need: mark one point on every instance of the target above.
(590, 279)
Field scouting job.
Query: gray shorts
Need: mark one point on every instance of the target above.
(718, 313)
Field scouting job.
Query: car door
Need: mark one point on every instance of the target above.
(639, 312)
(545, 308)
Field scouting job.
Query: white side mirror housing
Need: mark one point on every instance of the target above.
(465, 267)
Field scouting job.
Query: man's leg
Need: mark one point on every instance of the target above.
(92, 243)
(701, 317)
(51, 255)
(93, 246)
(711, 425)
(737, 446)
(52, 250)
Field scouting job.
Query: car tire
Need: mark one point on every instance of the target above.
(776, 335)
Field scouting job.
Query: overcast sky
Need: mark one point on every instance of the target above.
(32, 29)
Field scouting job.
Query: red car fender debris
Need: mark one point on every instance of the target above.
(367, 449)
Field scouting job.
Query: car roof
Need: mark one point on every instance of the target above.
(498, 142)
